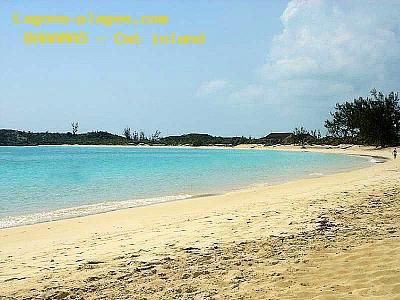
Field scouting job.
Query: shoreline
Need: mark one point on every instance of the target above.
(100, 207)
(248, 188)
(244, 243)
(339, 149)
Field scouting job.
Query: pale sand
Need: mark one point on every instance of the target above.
(330, 237)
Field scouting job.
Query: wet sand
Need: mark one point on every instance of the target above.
(330, 237)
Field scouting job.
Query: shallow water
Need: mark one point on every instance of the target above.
(46, 183)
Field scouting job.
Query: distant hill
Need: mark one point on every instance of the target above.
(10, 137)
(200, 139)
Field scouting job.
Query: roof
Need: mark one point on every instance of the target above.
(278, 135)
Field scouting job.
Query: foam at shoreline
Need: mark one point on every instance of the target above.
(105, 205)
(84, 210)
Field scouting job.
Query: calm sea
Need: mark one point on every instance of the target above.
(40, 184)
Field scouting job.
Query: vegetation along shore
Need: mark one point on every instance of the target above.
(372, 120)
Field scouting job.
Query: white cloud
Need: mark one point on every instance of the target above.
(329, 51)
(211, 87)
(249, 93)
(333, 49)
(294, 7)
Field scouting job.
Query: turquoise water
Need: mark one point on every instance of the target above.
(46, 183)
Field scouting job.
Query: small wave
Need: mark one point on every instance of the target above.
(84, 210)
(376, 160)
(316, 174)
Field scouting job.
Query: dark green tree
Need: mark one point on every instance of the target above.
(300, 135)
(155, 137)
(75, 126)
(127, 133)
(135, 136)
(372, 120)
(142, 136)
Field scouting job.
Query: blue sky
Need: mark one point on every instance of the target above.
(265, 66)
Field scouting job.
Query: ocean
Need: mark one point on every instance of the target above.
(45, 183)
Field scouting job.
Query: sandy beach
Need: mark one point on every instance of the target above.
(330, 237)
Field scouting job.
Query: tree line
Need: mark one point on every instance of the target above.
(373, 120)
(140, 137)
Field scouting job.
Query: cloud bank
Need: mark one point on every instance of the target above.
(250, 94)
(331, 50)
(211, 87)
